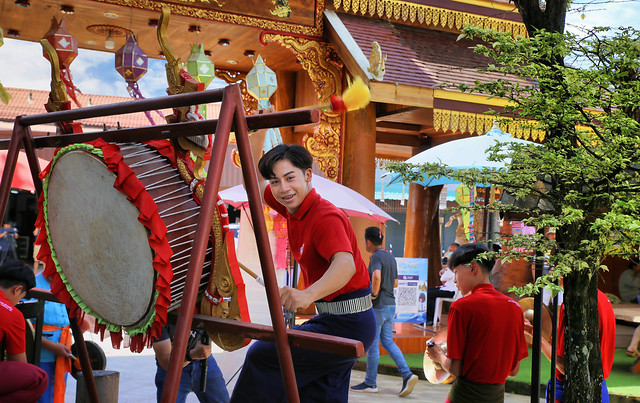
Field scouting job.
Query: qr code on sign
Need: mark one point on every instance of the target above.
(406, 296)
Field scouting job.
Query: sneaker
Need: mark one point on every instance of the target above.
(363, 387)
(408, 384)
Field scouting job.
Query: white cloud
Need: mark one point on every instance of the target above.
(23, 66)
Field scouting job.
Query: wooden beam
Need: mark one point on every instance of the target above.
(297, 338)
(401, 139)
(393, 93)
(400, 128)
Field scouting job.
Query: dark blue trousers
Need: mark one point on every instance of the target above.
(321, 377)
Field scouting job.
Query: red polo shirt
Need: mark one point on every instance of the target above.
(606, 328)
(12, 330)
(317, 231)
(485, 330)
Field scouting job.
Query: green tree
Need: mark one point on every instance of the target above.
(584, 94)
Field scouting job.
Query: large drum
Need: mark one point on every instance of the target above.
(120, 224)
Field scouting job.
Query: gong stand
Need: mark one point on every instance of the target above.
(231, 115)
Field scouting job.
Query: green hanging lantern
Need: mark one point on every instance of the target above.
(261, 83)
(5, 97)
(199, 66)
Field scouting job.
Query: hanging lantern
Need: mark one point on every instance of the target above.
(5, 97)
(65, 45)
(66, 48)
(131, 62)
(261, 83)
(199, 66)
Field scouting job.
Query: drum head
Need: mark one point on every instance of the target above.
(101, 247)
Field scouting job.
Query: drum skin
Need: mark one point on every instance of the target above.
(100, 243)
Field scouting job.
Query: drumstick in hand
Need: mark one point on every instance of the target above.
(250, 272)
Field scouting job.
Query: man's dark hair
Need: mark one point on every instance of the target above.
(468, 253)
(373, 235)
(297, 155)
(14, 272)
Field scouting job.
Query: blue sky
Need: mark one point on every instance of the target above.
(23, 66)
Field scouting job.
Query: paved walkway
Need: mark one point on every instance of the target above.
(137, 371)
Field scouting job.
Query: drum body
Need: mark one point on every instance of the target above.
(114, 227)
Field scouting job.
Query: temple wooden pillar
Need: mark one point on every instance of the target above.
(422, 234)
(285, 100)
(359, 163)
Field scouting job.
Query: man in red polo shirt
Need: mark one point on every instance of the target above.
(19, 380)
(607, 330)
(485, 332)
(324, 244)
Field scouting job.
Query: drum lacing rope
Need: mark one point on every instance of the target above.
(178, 292)
(151, 160)
(184, 219)
(166, 199)
(179, 254)
(162, 199)
(176, 180)
(184, 236)
(180, 266)
(179, 281)
(181, 228)
(163, 214)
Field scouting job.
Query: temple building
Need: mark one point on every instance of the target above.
(406, 51)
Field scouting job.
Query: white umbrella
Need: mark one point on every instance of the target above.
(351, 202)
(470, 152)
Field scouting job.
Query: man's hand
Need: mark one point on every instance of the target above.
(60, 350)
(436, 353)
(200, 351)
(293, 299)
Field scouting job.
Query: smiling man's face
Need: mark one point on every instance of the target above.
(290, 185)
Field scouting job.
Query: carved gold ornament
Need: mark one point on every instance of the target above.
(191, 9)
(403, 11)
(324, 67)
(478, 124)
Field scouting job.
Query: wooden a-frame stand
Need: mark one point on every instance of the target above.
(231, 114)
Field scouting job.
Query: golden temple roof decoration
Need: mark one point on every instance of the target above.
(479, 123)
(407, 12)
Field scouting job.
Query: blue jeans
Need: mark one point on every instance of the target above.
(216, 391)
(560, 392)
(321, 377)
(384, 333)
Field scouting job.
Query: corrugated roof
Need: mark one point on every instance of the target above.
(20, 104)
(417, 56)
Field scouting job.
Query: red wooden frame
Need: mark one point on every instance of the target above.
(231, 114)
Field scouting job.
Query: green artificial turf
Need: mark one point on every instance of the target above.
(620, 382)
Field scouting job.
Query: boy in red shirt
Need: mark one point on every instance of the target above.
(485, 332)
(19, 381)
(323, 242)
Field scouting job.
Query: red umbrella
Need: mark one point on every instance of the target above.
(22, 174)
(351, 202)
